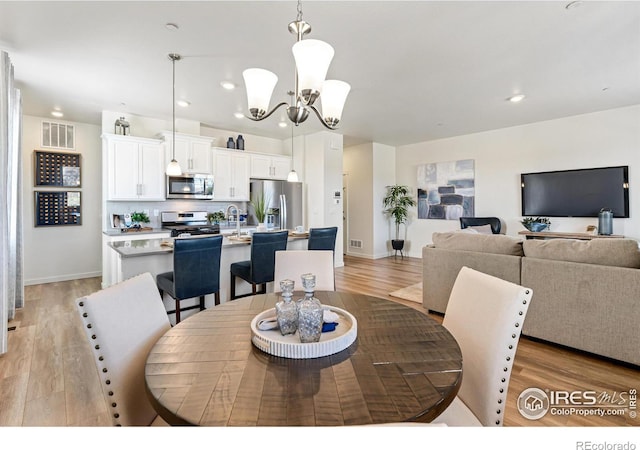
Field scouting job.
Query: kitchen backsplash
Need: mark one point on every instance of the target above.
(169, 205)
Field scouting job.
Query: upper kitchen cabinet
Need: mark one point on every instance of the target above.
(134, 168)
(270, 166)
(231, 176)
(193, 153)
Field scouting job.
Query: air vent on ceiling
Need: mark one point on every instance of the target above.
(355, 243)
(58, 135)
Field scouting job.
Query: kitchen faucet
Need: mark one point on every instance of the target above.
(230, 207)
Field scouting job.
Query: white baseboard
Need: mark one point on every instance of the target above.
(57, 278)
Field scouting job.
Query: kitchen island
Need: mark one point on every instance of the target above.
(155, 255)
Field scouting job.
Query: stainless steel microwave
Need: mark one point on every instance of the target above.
(190, 186)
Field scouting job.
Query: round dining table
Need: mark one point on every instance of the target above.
(403, 366)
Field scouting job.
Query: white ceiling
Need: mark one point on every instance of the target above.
(419, 70)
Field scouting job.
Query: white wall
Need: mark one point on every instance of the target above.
(58, 253)
(323, 177)
(384, 168)
(606, 138)
(358, 169)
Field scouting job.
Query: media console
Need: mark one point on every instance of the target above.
(555, 235)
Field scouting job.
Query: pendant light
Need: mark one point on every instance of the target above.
(293, 175)
(173, 169)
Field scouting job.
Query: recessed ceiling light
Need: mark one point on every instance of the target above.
(172, 27)
(228, 85)
(238, 115)
(57, 113)
(282, 124)
(516, 98)
(183, 103)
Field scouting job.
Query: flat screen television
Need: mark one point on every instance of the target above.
(576, 193)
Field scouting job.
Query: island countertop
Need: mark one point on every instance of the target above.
(158, 246)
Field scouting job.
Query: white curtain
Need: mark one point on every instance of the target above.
(11, 281)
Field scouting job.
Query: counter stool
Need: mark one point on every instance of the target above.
(259, 269)
(196, 271)
(322, 238)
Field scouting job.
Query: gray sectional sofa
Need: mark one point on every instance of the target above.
(586, 293)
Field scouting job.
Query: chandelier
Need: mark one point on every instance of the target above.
(312, 58)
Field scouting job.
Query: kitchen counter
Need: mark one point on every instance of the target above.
(155, 255)
(117, 232)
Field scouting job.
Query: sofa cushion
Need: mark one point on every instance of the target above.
(477, 242)
(605, 252)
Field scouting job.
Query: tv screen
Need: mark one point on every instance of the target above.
(576, 193)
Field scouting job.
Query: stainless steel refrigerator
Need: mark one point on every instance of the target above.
(284, 200)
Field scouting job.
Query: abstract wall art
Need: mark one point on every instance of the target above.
(446, 190)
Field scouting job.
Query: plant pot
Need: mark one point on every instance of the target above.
(261, 227)
(397, 244)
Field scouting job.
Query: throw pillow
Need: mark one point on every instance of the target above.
(482, 229)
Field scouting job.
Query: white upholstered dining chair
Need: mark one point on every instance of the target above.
(122, 322)
(291, 264)
(485, 314)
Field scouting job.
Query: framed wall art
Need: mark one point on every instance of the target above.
(56, 208)
(56, 169)
(446, 190)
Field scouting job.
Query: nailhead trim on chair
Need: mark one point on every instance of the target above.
(507, 369)
(116, 415)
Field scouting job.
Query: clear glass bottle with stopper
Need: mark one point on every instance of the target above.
(287, 309)
(309, 311)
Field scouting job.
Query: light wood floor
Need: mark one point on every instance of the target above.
(48, 378)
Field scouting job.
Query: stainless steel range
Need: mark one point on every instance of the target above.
(188, 223)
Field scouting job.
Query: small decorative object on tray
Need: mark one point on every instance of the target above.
(310, 313)
(536, 224)
(303, 329)
(287, 309)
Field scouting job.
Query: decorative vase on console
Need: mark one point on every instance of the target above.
(310, 313)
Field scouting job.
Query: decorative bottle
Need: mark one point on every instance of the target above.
(240, 142)
(309, 311)
(287, 309)
(230, 143)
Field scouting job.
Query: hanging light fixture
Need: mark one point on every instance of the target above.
(173, 168)
(293, 175)
(312, 59)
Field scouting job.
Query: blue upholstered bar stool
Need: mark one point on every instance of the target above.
(322, 238)
(196, 271)
(259, 269)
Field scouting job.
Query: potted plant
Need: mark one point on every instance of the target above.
(260, 205)
(536, 224)
(137, 218)
(215, 218)
(397, 203)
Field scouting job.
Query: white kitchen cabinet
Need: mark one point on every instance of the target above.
(193, 153)
(231, 175)
(270, 166)
(135, 168)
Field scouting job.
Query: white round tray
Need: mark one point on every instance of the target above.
(289, 346)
